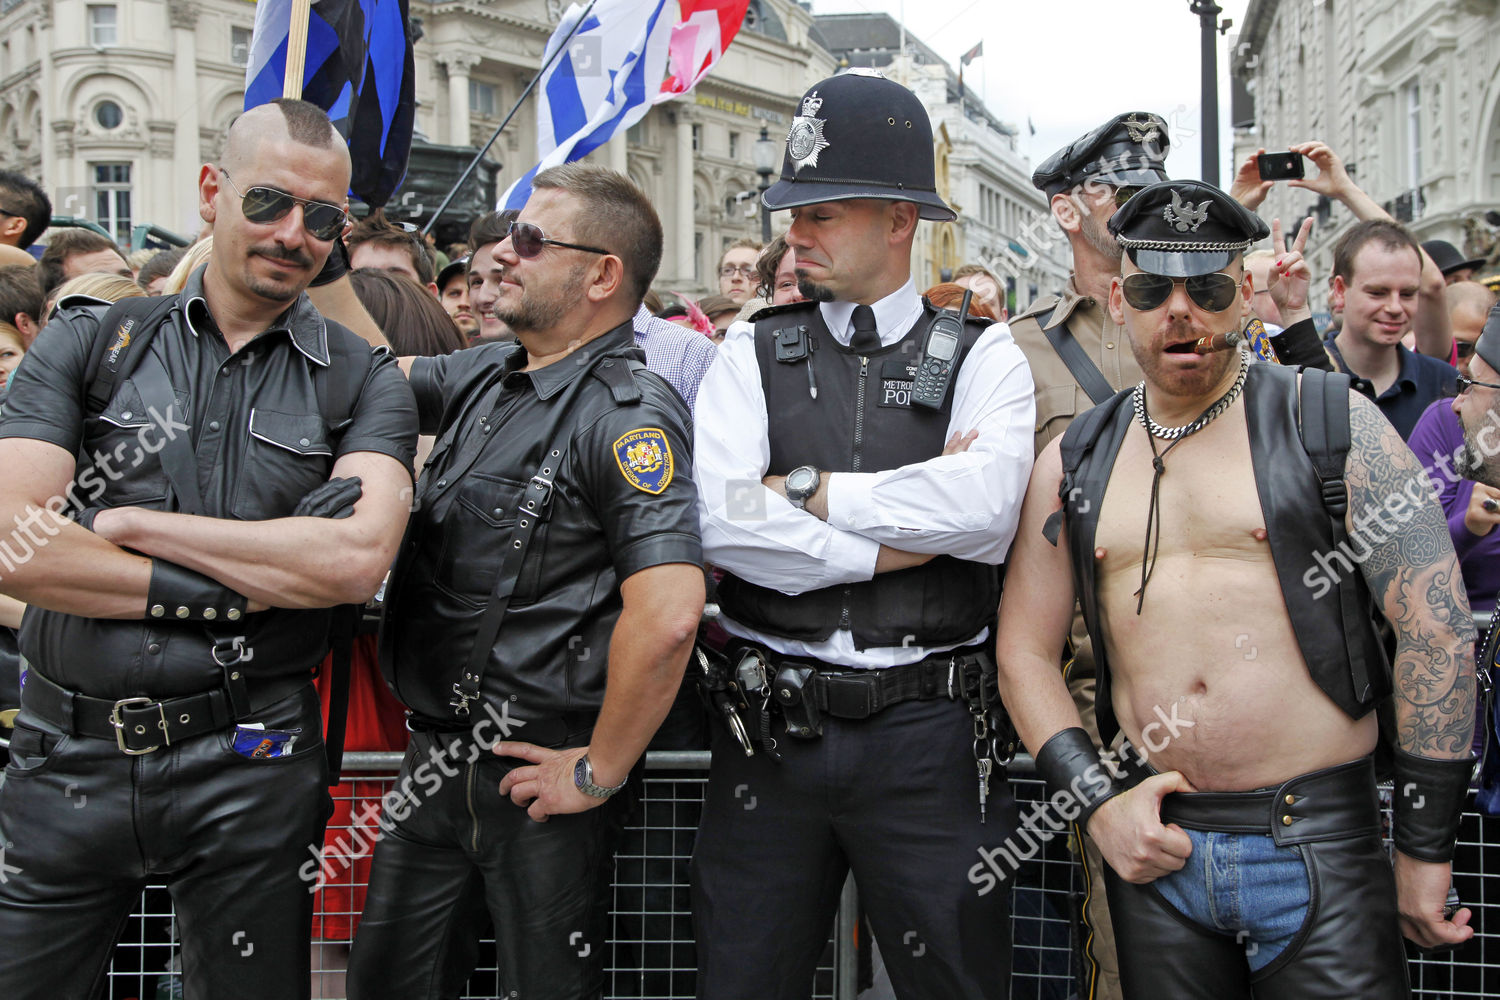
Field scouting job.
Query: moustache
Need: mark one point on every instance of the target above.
(277, 252)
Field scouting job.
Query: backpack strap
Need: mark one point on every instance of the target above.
(120, 341)
(1323, 425)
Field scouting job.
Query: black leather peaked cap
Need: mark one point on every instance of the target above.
(859, 135)
(1129, 150)
(1182, 228)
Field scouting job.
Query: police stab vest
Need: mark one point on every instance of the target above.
(861, 420)
(1334, 625)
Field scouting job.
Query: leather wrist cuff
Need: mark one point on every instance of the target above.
(180, 594)
(1070, 763)
(1300, 345)
(1428, 800)
(335, 267)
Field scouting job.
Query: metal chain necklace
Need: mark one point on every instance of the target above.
(1176, 435)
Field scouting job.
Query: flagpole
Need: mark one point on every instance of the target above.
(464, 177)
(296, 49)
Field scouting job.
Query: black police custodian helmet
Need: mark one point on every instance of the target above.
(1488, 344)
(1183, 228)
(859, 135)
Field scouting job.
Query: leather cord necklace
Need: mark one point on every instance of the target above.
(1176, 435)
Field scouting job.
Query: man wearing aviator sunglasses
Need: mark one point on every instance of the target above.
(258, 460)
(551, 580)
(1195, 520)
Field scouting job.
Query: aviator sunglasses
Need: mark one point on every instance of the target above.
(265, 205)
(528, 239)
(1214, 292)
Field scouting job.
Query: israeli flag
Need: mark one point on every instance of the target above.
(603, 83)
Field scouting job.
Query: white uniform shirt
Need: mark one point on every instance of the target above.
(964, 505)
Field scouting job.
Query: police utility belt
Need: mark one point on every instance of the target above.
(141, 725)
(746, 685)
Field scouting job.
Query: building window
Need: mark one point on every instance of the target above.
(697, 247)
(734, 145)
(697, 138)
(239, 46)
(636, 134)
(104, 26)
(1413, 136)
(108, 115)
(482, 98)
(112, 199)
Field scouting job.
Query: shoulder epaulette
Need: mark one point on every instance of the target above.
(617, 374)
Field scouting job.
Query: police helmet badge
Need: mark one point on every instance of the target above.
(804, 141)
(1184, 216)
(645, 459)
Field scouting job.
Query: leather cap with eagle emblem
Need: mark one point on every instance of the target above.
(859, 135)
(1129, 150)
(1183, 228)
(1488, 344)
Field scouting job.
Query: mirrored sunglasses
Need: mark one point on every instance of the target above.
(1214, 292)
(265, 205)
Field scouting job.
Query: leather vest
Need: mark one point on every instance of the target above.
(1335, 628)
(861, 420)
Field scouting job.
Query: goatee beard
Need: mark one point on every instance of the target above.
(812, 291)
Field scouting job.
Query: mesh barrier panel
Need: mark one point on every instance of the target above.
(652, 953)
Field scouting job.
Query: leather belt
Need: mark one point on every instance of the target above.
(1332, 804)
(141, 725)
(859, 694)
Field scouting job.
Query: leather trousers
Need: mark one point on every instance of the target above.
(85, 828)
(451, 850)
(1349, 944)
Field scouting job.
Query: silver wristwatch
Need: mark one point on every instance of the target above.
(801, 483)
(583, 777)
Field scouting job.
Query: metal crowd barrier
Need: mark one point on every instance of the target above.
(652, 951)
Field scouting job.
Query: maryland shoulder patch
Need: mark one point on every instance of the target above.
(645, 459)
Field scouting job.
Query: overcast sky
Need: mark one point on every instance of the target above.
(1069, 65)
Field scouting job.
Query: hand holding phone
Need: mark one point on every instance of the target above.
(1280, 166)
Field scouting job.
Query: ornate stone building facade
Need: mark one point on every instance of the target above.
(115, 104)
(1406, 91)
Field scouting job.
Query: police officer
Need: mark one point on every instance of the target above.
(548, 595)
(860, 533)
(169, 729)
(1079, 357)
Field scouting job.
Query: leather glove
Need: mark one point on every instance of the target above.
(335, 499)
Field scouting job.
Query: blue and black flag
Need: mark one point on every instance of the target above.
(358, 69)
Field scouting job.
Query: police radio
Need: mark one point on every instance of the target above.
(939, 351)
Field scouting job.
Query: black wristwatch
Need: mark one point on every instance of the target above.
(583, 777)
(801, 483)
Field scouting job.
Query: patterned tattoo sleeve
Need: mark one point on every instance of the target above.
(1414, 576)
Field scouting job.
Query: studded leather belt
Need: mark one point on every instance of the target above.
(1332, 804)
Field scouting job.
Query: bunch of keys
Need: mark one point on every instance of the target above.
(983, 762)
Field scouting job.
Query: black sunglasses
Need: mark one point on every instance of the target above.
(1214, 292)
(1464, 384)
(1124, 194)
(1463, 348)
(265, 205)
(528, 240)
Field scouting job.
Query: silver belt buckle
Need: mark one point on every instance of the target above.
(119, 724)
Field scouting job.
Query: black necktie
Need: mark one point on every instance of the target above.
(865, 340)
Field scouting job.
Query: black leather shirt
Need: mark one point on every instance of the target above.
(261, 444)
(624, 501)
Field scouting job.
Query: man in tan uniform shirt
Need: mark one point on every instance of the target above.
(1085, 182)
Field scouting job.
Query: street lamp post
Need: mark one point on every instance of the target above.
(766, 154)
(1208, 16)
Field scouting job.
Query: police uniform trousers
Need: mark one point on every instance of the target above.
(85, 828)
(893, 798)
(455, 848)
(1348, 944)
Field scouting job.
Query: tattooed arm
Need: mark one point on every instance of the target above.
(1414, 576)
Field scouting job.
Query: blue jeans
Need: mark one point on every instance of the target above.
(1242, 884)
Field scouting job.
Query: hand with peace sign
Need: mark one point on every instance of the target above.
(1289, 277)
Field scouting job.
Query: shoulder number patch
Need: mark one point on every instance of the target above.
(645, 459)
